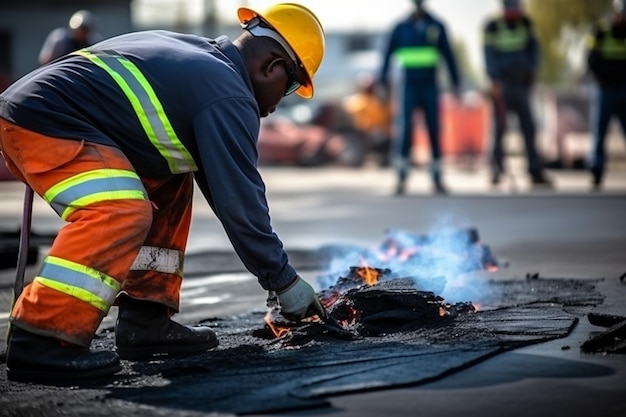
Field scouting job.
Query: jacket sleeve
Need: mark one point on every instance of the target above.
(227, 133)
(533, 48)
(448, 54)
(594, 57)
(388, 52)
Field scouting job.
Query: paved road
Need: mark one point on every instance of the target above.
(565, 233)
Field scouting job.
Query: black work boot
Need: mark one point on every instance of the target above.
(596, 179)
(144, 330)
(438, 186)
(538, 179)
(34, 358)
(400, 188)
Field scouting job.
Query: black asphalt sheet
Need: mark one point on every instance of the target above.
(253, 373)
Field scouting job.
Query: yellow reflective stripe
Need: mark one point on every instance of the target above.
(506, 39)
(148, 109)
(612, 48)
(93, 186)
(103, 196)
(67, 183)
(79, 293)
(87, 284)
(160, 113)
(417, 57)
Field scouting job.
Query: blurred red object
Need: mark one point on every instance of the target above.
(283, 142)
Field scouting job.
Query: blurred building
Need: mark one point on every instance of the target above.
(25, 24)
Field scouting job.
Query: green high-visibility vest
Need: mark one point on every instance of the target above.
(610, 47)
(417, 56)
(506, 39)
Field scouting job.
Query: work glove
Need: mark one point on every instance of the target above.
(299, 301)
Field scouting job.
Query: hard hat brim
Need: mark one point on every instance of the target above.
(244, 15)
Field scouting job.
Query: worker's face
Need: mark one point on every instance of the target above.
(277, 78)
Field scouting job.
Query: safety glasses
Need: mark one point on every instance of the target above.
(258, 27)
(293, 83)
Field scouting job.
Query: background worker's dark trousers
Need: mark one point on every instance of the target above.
(426, 98)
(609, 101)
(516, 99)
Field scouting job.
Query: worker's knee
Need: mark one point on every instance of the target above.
(130, 216)
(139, 216)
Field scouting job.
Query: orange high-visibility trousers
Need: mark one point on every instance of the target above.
(123, 233)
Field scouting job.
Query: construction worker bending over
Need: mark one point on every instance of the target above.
(112, 137)
(416, 43)
(511, 53)
(607, 63)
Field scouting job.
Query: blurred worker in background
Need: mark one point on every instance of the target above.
(417, 43)
(79, 33)
(511, 52)
(112, 137)
(371, 117)
(607, 63)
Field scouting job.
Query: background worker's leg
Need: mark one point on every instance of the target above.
(157, 273)
(403, 143)
(620, 109)
(499, 121)
(92, 187)
(602, 111)
(519, 99)
(430, 104)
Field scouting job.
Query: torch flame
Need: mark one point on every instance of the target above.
(278, 331)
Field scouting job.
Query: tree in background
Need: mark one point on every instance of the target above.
(561, 26)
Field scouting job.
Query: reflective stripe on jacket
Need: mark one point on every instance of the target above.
(511, 50)
(148, 109)
(607, 53)
(417, 43)
(506, 39)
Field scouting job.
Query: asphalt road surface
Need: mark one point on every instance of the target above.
(568, 232)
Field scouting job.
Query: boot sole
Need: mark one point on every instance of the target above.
(59, 376)
(151, 352)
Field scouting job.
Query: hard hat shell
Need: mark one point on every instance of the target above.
(302, 31)
(82, 19)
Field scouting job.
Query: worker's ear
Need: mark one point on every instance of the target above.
(274, 68)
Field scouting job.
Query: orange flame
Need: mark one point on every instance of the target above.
(367, 273)
(278, 331)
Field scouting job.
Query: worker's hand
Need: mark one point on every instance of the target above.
(299, 301)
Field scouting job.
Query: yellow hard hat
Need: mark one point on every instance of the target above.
(302, 31)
